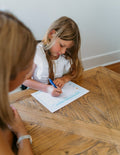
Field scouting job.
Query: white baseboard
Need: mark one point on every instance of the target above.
(101, 60)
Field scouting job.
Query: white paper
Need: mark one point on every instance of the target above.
(70, 92)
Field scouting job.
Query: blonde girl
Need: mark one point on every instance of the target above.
(17, 49)
(57, 57)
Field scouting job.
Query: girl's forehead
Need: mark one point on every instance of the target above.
(67, 44)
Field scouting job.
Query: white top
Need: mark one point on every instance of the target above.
(61, 66)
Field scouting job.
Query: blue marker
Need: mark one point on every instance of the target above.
(52, 83)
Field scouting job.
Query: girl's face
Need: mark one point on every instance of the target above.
(60, 46)
(21, 76)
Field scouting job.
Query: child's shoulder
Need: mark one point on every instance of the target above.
(40, 45)
(39, 49)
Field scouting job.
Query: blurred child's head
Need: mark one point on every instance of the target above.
(17, 49)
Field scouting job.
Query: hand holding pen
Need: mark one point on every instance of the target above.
(52, 83)
(54, 91)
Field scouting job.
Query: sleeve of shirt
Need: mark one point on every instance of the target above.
(37, 55)
(38, 61)
(41, 72)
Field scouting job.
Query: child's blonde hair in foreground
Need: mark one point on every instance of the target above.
(17, 49)
(66, 29)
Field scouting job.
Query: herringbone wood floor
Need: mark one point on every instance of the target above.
(88, 126)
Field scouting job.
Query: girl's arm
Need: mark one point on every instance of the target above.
(36, 85)
(24, 147)
(40, 86)
(18, 128)
(60, 82)
(43, 87)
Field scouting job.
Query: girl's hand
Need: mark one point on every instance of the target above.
(54, 91)
(59, 82)
(17, 126)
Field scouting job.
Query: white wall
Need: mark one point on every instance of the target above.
(98, 20)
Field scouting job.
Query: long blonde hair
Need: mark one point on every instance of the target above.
(66, 29)
(17, 49)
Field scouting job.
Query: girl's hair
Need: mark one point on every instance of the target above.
(17, 49)
(66, 29)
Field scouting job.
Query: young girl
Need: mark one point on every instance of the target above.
(57, 57)
(17, 49)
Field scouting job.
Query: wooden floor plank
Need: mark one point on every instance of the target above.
(115, 67)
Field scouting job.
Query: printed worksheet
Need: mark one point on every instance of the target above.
(70, 92)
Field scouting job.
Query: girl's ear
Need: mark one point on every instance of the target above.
(51, 34)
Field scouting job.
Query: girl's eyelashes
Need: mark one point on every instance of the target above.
(61, 45)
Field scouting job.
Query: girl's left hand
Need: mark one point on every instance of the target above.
(17, 125)
(59, 82)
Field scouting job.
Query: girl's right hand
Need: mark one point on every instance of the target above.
(54, 91)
